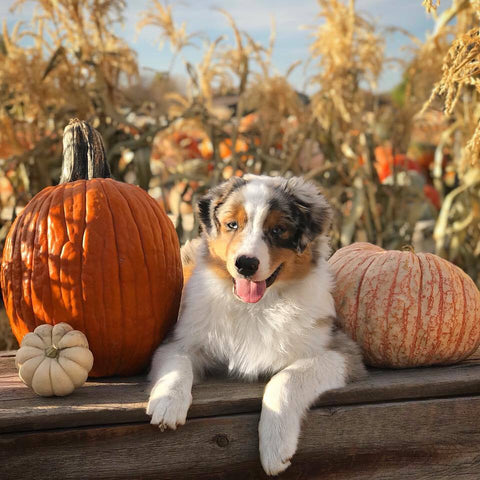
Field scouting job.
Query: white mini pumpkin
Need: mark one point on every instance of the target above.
(54, 360)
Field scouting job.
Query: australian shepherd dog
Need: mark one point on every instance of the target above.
(258, 303)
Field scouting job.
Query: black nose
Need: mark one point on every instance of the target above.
(247, 266)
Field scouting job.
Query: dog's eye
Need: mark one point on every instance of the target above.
(278, 230)
(232, 225)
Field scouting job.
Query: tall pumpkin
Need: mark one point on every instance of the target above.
(98, 254)
(405, 309)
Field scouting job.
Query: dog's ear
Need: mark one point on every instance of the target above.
(315, 214)
(203, 211)
(208, 205)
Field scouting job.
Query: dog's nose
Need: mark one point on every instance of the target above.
(247, 266)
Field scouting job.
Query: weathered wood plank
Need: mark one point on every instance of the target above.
(123, 400)
(418, 439)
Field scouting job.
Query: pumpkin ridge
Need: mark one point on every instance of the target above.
(140, 236)
(82, 253)
(44, 269)
(38, 206)
(120, 357)
(41, 201)
(452, 281)
(68, 290)
(104, 329)
(75, 300)
(13, 262)
(157, 285)
(47, 264)
(66, 371)
(461, 334)
(90, 328)
(441, 308)
(385, 332)
(475, 326)
(27, 218)
(354, 324)
(102, 313)
(14, 298)
(61, 193)
(413, 345)
(433, 274)
(429, 302)
(49, 374)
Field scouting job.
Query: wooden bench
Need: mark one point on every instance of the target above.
(407, 424)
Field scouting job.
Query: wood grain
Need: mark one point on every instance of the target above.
(397, 424)
(123, 400)
(417, 439)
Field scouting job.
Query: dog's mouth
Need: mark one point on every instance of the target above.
(250, 291)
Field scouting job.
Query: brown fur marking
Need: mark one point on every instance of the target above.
(226, 240)
(295, 265)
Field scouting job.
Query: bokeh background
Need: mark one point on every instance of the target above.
(375, 100)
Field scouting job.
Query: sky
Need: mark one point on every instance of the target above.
(255, 16)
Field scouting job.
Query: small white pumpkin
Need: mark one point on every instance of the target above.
(54, 360)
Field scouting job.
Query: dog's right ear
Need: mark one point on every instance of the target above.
(208, 205)
(204, 215)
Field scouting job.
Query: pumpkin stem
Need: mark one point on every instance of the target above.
(83, 153)
(52, 351)
(408, 248)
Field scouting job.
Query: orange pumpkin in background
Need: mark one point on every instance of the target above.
(385, 162)
(405, 309)
(226, 150)
(98, 254)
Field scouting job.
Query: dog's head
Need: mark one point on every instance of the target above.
(262, 230)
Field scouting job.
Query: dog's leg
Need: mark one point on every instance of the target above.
(286, 399)
(172, 377)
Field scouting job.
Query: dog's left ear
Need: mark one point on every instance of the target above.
(204, 214)
(315, 212)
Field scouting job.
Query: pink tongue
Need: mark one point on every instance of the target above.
(249, 291)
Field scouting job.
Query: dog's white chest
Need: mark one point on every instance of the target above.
(255, 339)
(251, 340)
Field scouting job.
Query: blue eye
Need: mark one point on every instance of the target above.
(278, 230)
(232, 225)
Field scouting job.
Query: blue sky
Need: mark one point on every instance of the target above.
(254, 16)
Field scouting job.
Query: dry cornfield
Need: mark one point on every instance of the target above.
(400, 168)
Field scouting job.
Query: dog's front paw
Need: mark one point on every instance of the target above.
(168, 408)
(278, 442)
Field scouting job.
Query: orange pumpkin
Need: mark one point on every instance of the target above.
(98, 254)
(405, 309)
(226, 145)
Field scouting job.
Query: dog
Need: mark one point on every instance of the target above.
(258, 303)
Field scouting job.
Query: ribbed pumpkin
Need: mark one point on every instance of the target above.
(98, 254)
(405, 309)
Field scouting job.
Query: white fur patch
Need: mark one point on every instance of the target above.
(256, 206)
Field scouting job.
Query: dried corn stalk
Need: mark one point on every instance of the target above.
(431, 5)
(349, 54)
(457, 232)
(160, 16)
